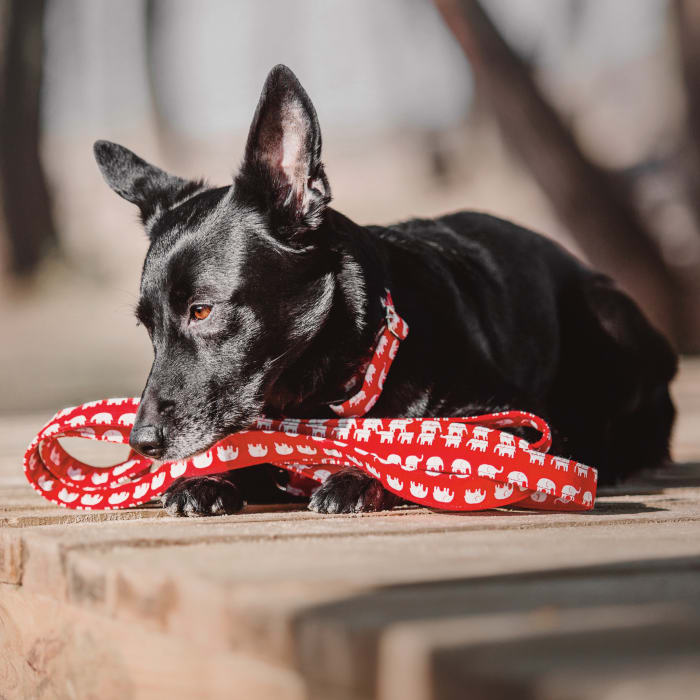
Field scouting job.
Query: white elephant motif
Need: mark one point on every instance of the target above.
(538, 496)
(434, 466)
(358, 398)
(113, 436)
(75, 473)
(452, 439)
(411, 462)
(124, 467)
(156, 481)
(306, 450)
(507, 438)
(103, 418)
(587, 498)
(505, 449)
(90, 499)
(561, 463)
(386, 436)
(478, 444)
(399, 423)
(443, 495)
(394, 483)
(127, 419)
(118, 497)
(580, 469)
(227, 454)
(290, 426)
(176, 469)
(481, 432)
(282, 448)
(362, 434)
(502, 491)
(140, 490)
(203, 461)
(426, 438)
(99, 478)
(569, 491)
(418, 490)
(519, 479)
(405, 438)
(474, 496)
(536, 457)
(76, 421)
(44, 483)
(488, 470)
(546, 486)
(67, 496)
(461, 468)
(256, 450)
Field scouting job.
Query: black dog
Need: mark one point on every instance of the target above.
(261, 299)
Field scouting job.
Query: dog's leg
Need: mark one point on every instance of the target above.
(351, 491)
(221, 494)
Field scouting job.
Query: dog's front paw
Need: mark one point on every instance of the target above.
(202, 496)
(351, 491)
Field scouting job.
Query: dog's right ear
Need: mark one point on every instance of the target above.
(282, 172)
(151, 189)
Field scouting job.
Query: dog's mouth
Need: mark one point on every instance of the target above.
(200, 447)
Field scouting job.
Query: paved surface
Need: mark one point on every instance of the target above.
(410, 604)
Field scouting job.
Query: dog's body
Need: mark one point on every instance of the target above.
(289, 291)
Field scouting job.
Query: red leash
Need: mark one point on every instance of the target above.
(445, 463)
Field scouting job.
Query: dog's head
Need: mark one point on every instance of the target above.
(237, 280)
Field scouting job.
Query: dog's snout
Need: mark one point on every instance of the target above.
(148, 440)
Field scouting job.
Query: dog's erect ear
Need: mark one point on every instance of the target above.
(150, 188)
(282, 170)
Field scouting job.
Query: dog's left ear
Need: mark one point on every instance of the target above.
(282, 170)
(151, 189)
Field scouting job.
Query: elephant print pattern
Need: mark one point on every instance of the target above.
(453, 463)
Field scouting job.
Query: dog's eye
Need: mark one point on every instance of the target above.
(199, 312)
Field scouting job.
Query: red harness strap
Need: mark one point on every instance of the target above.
(446, 463)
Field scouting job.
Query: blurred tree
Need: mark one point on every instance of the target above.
(599, 213)
(688, 28)
(25, 217)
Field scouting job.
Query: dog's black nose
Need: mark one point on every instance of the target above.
(148, 441)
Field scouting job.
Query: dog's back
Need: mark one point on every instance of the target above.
(508, 318)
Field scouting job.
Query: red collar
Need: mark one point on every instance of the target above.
(371, 374)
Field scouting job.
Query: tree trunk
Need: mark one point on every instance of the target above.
(25, 217)
(598, 215)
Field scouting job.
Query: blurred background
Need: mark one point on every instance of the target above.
(578, 118)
